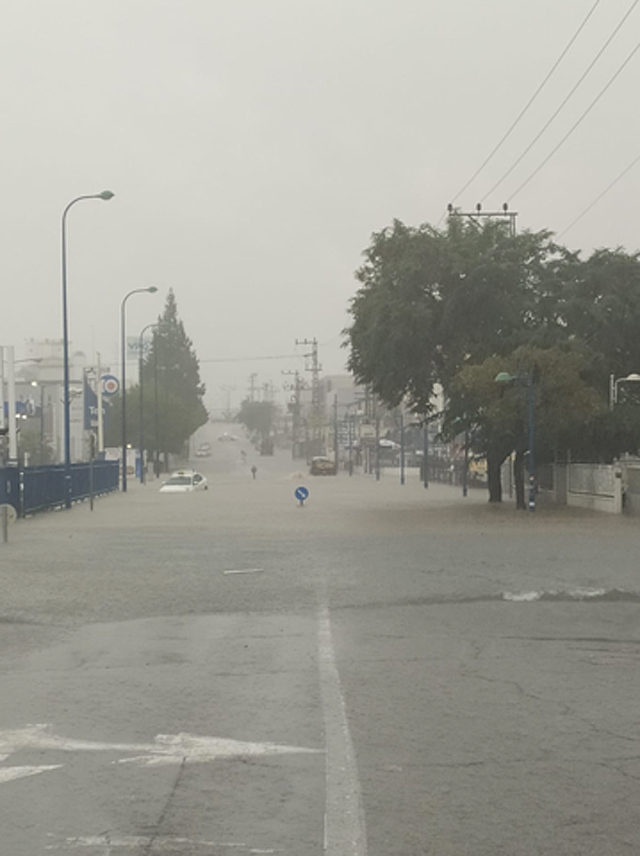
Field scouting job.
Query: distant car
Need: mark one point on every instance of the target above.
(203, 450)
(389, 445)
(322, 466)
(184, 481)
(226, 438)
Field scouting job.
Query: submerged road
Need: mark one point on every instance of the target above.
(387, 671)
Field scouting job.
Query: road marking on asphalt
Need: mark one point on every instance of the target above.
(166, 748)
(244, 571)
(165, 845)
(344, 826)
(10, 774)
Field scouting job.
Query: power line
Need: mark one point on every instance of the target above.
(579, 120)
(252, 359)
(598, 198)
(529, 103)
(563, 102)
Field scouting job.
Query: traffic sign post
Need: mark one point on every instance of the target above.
(7, 515)
(301, 493)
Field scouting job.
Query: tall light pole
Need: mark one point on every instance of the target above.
(402, 448)
(123, 344)
(106, 195)
(140, 384)
(425, 453)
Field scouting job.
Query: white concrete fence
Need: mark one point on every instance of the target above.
(612, 488)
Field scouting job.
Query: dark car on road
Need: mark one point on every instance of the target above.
(322, 466)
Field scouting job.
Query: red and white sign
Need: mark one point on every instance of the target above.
(110, 384)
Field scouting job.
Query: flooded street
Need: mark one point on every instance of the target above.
(387, 670)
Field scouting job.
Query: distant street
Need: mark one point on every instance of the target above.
(387, 670)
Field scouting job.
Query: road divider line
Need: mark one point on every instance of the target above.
(244, 571)
(135, 842)
(344, 825)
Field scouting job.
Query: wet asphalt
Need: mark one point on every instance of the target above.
(387, 670)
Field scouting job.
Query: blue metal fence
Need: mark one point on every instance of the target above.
(34, 489)
(10, 487)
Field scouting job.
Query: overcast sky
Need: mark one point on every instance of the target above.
(254, 145)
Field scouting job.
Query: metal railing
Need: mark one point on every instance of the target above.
(33, 489)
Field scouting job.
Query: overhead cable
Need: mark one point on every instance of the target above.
(598, 198)
(577, 122)
(251, 359)
(528, 104)
(563, 102)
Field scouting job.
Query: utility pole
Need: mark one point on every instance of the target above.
(252, 386)
(402, 449)
(297, 387)
(3, 426)
(377, 418)
(425, 453)
(475, 216)
(316, 405)
(11, 402)
(228, 390)
(336, 447)
(100, 413)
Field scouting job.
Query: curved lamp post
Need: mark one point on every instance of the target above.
(525, 377)
(140, 384)
(123, 344)
(106, 195)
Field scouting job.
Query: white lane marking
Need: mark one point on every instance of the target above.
(174, 748)
(133, 842)
(10, 774)
(166, 748)
(244, 571)
(344, 825)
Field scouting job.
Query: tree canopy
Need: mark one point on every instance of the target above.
(431, 302)
(256, 416)
(457, 306)
(172, 390)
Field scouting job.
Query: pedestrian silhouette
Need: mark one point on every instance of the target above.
(254, 470)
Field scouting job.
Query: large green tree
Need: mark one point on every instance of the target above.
(173, 390)
(257, 417)
(600, 304)
(432, 301)
(440, 306)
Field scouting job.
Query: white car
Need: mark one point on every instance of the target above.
(184, 481)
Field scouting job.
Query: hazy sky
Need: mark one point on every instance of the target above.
(254, 145)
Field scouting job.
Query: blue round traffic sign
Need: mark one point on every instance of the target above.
(110, 384)
(301, 493)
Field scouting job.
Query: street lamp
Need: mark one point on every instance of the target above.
(151, 290)
(106, 195)
(634, 377)
(140, 383)
(526, 377)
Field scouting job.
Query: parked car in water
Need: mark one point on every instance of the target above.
(184, 481)
(322, 466)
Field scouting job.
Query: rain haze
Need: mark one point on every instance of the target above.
(375, 600)
(253, 147)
